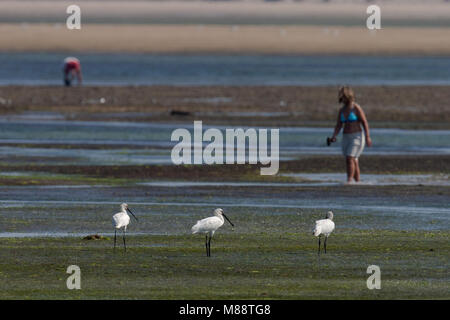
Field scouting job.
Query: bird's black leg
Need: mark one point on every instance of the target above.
(206, 245)
(124, 244)
(325, 244)
(115, 236)
(319, 245)
(209, 245)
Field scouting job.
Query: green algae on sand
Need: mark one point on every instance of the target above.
(414, 265)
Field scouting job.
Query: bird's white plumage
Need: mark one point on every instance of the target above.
(324, 226)
(121, 219)
(211, 224)
(208, 225)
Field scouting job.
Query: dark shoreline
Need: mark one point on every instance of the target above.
(413, 107)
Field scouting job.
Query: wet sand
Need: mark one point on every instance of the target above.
(396, 106)
(271, 240)
(314, 164)
(268, 254)
(269, 265)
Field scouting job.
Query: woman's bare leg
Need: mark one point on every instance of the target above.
(356, 174)
(350, 168)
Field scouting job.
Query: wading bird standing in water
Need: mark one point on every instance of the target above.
(122, 220)
(209, 226)
(324, 227)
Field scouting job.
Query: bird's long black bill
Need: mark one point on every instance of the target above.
(132, 214)
(228, 219)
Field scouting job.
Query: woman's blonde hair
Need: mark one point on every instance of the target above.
(347, 93)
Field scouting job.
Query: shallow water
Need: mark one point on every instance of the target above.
(173, 210)
(374, 179)
(126, 140)
(172, 207)
(148, 69)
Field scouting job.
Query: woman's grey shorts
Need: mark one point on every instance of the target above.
(353, 144)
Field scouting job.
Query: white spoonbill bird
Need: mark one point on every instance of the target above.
(209, 226)
(324, 227)
(122, 220)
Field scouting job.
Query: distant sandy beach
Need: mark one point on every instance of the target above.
(307, 27)
(225, 39)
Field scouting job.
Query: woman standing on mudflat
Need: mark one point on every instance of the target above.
(352, 117)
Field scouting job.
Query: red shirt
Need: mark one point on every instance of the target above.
(71, 64)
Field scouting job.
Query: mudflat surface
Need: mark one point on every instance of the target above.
(50, 201)
(312, 164)
(399, 106)
(269, 265)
